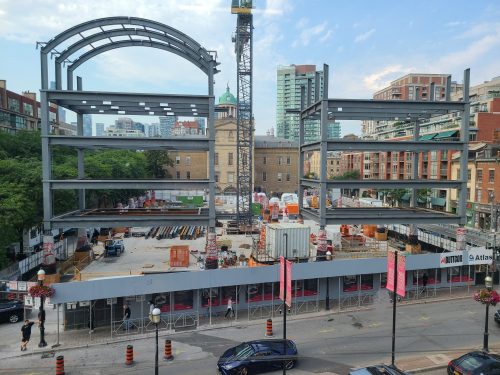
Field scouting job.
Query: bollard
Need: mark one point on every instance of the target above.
(60, 365)
(129, 355)
(269, 327)
(168, 351)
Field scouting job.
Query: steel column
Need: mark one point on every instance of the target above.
(464, 137)
(79, 151)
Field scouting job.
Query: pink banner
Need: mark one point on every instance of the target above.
(401, 290)
(288, 281)
(390, 271)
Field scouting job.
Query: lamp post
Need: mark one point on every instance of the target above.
(155, 318)
(488, 282)
(285, 235)
(41, 312)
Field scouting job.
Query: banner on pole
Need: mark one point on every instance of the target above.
(390, 271)
(401, 289)
(286, 284)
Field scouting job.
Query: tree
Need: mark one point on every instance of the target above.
(156, 162)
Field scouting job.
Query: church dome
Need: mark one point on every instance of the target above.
(227, 98)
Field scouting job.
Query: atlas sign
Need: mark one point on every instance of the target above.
(466, 258)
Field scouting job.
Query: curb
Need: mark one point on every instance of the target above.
(425, 369)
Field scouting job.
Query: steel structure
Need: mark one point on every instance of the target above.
(325, 110)
(81, 43)
(243, 40)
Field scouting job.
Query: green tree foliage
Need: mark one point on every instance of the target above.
(21, 196)
(157, 161)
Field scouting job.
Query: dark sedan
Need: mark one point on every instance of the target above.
(497, 316)
(475, 363)
(11, 310)
(258, 356)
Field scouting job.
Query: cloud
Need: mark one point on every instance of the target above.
(327, 36)
(382, 78)
(364, 36)
(275, 8)
(309, 33)
(454, 23)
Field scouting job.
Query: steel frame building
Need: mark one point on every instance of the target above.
(325, 110)
(105, 33)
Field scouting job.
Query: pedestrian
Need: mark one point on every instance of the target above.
(425, 279)
(229, 308)
(26, 334)
(126, 316)
(151, 308)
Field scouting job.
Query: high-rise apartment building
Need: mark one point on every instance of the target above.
(290, 79)
(167, 124)
(87, 125)
(99, 129)
(334, 130)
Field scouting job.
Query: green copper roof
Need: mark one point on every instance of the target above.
(227, 98)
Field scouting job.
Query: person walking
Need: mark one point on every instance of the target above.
(229, 308)
(126, 316)
(26, 334)
(425, 279)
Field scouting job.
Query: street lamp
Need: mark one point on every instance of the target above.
(41, 313)
(488, 282)
(155, 318)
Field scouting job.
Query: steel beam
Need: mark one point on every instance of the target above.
(385, 184)
(195, 143)
(410, 146)
(129, 184)
(128, 221)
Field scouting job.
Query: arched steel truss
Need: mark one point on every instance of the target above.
(110, 33)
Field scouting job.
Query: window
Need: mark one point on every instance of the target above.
(280, 177)
(216, 178)
(188, 175)
(479, 177)
(230, 178)
(178, 175)
(28, 109)
(280, 160)
(230, 134)
(479, 195)
(230, 159)
(288, 177)
(288, 160)
(265, 160)
(468, 194)
(264, 176)
(468, 174)
(177, 160)
(491, 195)
(188, 160)
(13, 104)
(491, 176)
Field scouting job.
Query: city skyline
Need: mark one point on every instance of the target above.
(446, 38)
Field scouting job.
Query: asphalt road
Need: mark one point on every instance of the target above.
(427, 334)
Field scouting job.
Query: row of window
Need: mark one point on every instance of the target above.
(279, 177)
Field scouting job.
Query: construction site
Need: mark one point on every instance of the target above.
(190, 259)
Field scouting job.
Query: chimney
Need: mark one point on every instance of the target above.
(272, 132)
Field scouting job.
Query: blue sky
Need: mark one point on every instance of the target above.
(366, 44)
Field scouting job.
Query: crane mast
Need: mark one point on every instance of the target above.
(243, 40)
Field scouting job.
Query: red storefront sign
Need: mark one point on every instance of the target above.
(288, 281)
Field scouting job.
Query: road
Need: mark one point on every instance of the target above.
(427, 334)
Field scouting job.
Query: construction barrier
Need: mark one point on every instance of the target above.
(168, 351)
(129, 355)
(60, 365)
(269, 328)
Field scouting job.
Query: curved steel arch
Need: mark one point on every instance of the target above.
(132, 43)
(108, 21)
(124, 32)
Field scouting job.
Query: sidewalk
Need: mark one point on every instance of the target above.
(10, 347)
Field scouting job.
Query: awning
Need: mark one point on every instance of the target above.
(447, 134)
(427, 137)
(438, 202)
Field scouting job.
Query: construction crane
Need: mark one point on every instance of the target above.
(243, 39)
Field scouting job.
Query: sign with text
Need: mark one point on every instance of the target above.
(451, 259)
(480, 256)
(286, 284)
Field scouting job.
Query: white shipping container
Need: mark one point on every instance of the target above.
(298, 240)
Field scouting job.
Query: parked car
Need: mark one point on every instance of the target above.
(475, 363)
(378, 370)
(113, 248)
(11, 310)
(497, 316)
(258, 356)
